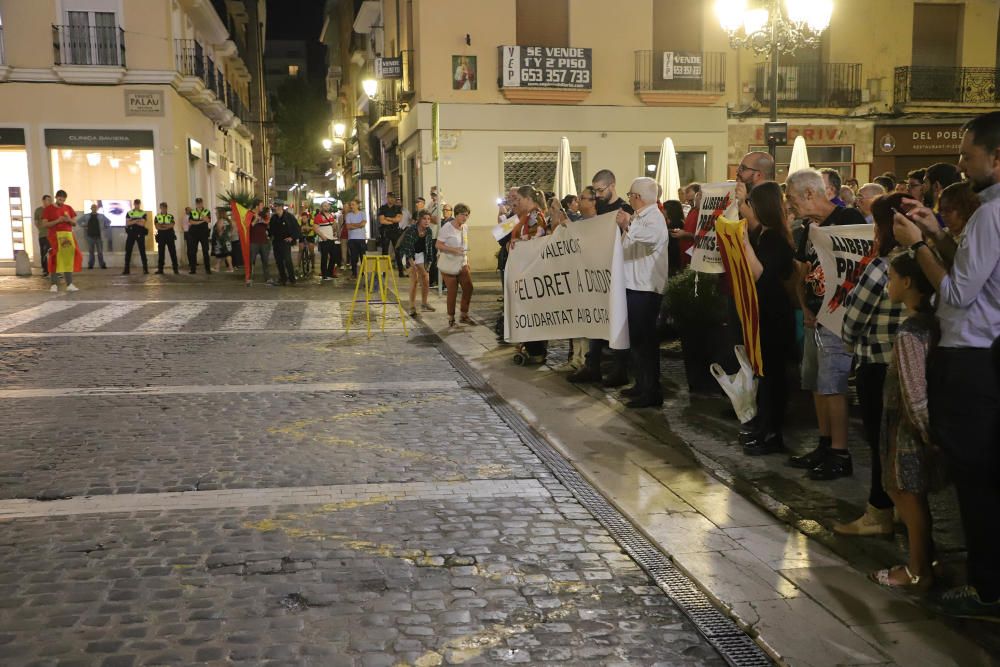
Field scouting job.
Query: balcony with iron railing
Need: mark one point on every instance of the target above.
(814, 85)
(680, 77)
(88, 45)
(947, 86)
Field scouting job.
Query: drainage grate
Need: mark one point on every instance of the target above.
(735, 646)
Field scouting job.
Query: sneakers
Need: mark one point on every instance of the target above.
(835, 464)
(427, 308)
(964, 602)
(873, 522)
(54, 288)
(72, 288)
(327, 279)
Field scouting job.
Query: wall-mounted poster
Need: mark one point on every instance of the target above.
(464, 68)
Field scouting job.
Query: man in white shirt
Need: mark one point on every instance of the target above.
(644, 245)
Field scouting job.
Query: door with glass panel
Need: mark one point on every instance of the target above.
(92, 39)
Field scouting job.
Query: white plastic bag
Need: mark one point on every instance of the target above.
(741, 387)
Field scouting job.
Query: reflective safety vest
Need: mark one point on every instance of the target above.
(164, 219)
(199, 214)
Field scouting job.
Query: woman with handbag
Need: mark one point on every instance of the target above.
(452, 264)
(415, 247)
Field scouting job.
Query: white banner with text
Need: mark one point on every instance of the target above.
(570, 284)
(716, 198)
(844, 251)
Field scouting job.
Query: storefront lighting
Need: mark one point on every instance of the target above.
(67, 153)
(114, 162)
(93, 159)
(370, 86)
(339, 130)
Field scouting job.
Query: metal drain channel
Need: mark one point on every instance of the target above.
(734, 645)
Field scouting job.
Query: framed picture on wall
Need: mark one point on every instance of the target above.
(463, 73)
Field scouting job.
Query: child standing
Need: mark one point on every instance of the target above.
(907, 453)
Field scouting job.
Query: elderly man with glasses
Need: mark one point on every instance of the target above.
(866, 196)
(644, 245)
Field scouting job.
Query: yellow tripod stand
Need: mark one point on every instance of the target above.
(376, 269)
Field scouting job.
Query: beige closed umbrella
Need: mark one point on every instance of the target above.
(668, 176)
(564, 184)
(800, 156)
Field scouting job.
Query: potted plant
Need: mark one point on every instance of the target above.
(698, 310)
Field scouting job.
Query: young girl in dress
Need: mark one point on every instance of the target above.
(909, 462)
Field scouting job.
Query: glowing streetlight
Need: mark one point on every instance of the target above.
(339, 130)
(328, 144)
(370, 86)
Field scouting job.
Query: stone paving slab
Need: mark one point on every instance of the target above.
(148, 444)
(463, 581)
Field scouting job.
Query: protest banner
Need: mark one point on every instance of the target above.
(844, 251)
(570, 284)
(715, 199)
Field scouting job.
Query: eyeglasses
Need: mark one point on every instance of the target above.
(601, 190)
(631, 194)
(740, 169)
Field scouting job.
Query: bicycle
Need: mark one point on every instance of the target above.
(306, 259)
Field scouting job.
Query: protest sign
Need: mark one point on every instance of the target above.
(715, 199)
(570, 284)
(844, 251)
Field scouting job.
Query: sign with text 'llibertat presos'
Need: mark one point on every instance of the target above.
(545, 67)
(843, 251)
(716, 200)
(570, 284)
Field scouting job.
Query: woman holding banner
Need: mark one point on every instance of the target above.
(768, 247)
(871, 320)
(529, 205)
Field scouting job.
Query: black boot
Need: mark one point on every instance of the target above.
(616, 379)
(760, 445)
(813, 458)
(836, 463)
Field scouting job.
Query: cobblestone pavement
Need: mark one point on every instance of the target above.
(284, 495)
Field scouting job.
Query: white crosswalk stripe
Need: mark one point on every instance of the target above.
(20, 317)
(251, 315)
(174, 318)
(98, 318)
(323, 315)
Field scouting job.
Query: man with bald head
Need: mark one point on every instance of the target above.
(866, 196)
(755, 167)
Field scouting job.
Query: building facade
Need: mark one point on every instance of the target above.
(888, 89)
(114, 100)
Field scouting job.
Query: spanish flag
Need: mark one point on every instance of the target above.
(744, 287)
(243, 218)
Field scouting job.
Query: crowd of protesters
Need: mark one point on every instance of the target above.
(920, 337)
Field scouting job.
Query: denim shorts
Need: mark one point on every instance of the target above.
(826, 362)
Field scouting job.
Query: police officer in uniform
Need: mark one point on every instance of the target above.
(200, 219)
(166, 237)
(135, 235)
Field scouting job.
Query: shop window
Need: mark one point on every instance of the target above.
(110, 178)
(537, 168)
(840, 158)
(293, 71)
(692, 166)
(16, 206)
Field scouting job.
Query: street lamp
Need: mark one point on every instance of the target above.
(777, 27)
(339, 130)
(370, 86)
(327, 144)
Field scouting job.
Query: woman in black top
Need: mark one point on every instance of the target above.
(768, 247)
(415, 247)
(673, 211)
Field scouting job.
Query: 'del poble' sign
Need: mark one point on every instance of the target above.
(545, 67)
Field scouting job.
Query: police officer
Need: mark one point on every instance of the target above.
(199, 231)
(166, 237)
(135, 235)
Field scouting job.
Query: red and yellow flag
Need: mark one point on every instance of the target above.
(744, 287)
(243, 218)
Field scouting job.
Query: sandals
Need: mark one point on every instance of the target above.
(914, 583)
(451, 321)
(465, 319)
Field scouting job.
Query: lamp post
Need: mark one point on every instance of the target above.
(772, 29)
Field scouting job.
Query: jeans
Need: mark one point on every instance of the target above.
(356, 249)
(463, 280)
(166, 242)
(327, 258)
(199, 235)
(262, 250)
(95, 243)
(283, 258)
(390, 234)
(54, 277)
(964, 402)
(131, 241)
(43, 250)
(643, 309)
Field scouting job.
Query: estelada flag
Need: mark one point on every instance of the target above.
(243, 218)
(730, 237)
